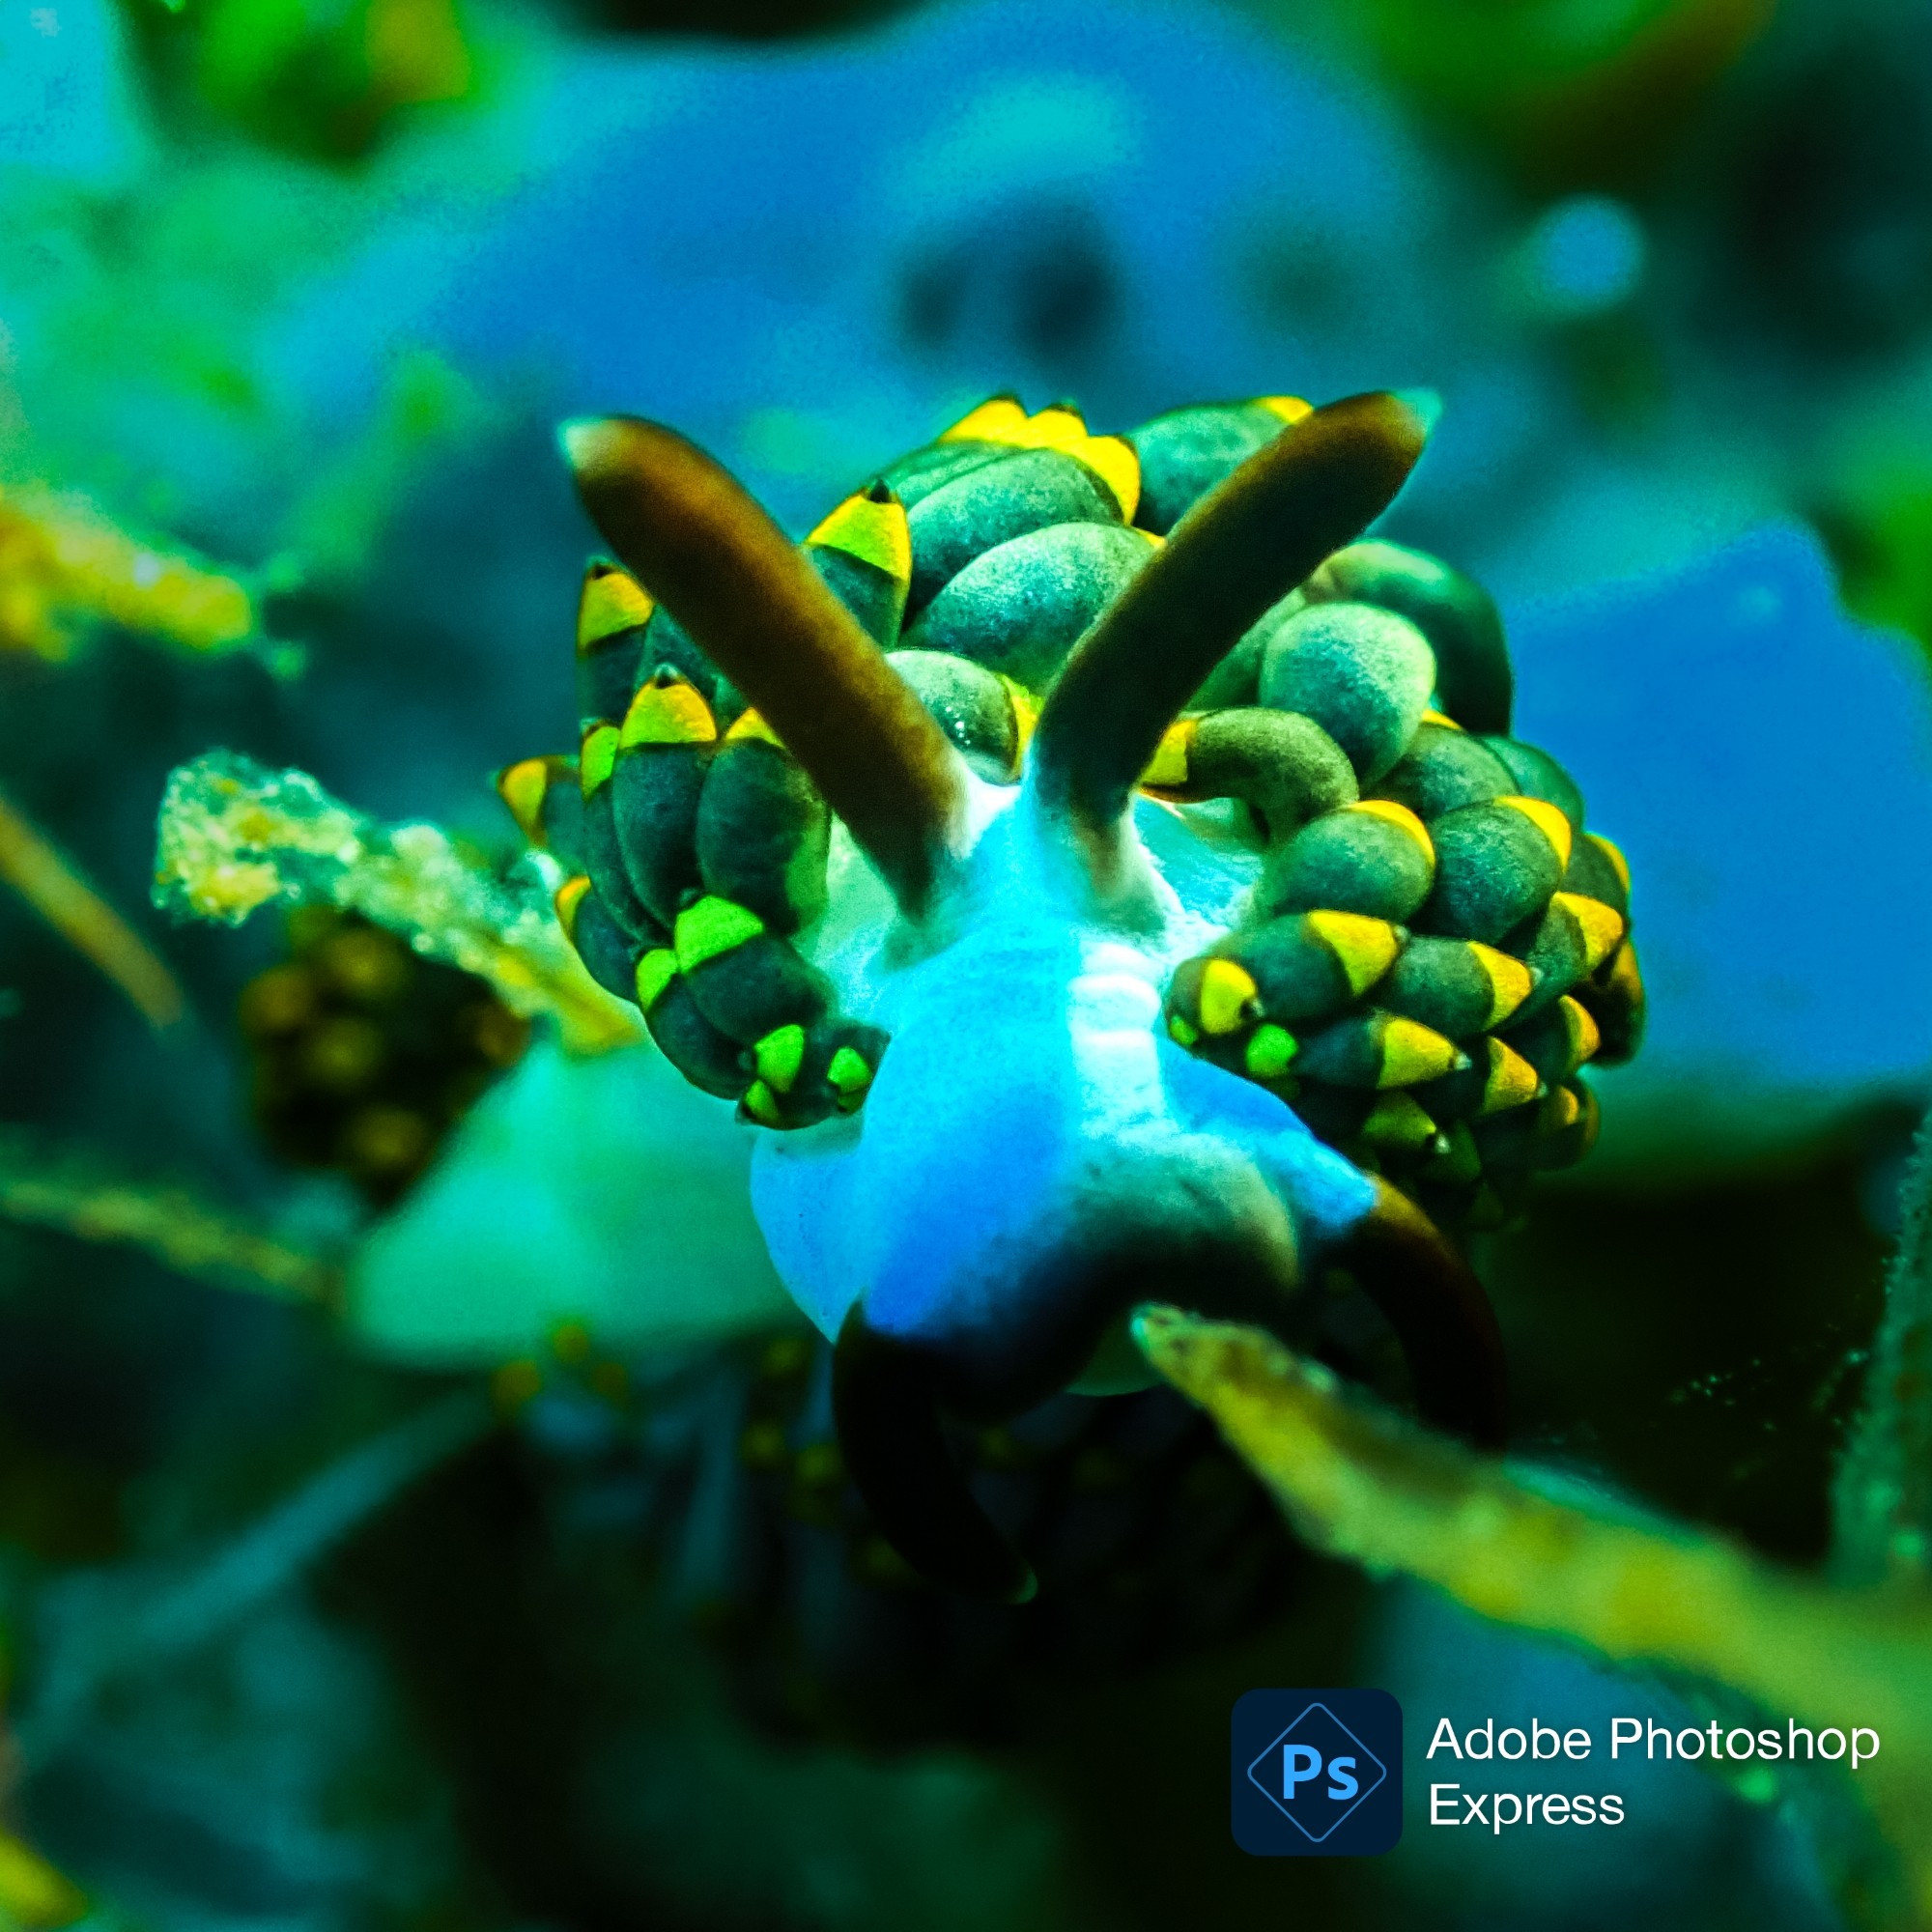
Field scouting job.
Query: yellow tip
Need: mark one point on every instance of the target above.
(1227, 997)
(1412, 1052)
(612, 602)
(1026, 715)
(1510, 982)
(750, 724)
(596, 756)
(1289, 408)
(875, 533)
(1054, 427)
(522, 787)
(1398, 1121)
(1401, 818)
(668, 710)
(1625, 974)
(1547, 820)
(1271, 1052)
(1585, 1037)
(762, 1105)
(1601, 925)
(1112, 459)
(1511, 1081)
(1167, 769)
(1366, 948)
(711, 927)
(569, 897)
(1614, 855)
(655, 969)
(36, 1894)
(779, 1056)
(851, 1074)
(995, 420)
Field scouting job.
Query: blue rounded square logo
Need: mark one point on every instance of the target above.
(1316, 1773)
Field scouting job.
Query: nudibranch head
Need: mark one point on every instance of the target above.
(1106, 877)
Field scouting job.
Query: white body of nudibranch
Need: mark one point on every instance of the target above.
(1030, 1114)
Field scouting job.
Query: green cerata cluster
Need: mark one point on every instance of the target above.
(1436, 945)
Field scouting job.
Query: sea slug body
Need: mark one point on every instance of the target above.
(1101, 875)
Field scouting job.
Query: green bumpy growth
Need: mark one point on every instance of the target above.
(1425, 969)
(1435, 947)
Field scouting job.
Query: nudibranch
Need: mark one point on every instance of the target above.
(1098, 874)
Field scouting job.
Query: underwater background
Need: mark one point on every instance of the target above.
(418, 1501)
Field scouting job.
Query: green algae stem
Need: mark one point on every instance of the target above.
(1361, 1483)
(65, 567)
(1882, 1500)
(47, 880)
(68, 1191)
(233, 836)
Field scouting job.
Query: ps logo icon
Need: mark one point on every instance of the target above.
(1317, 1774)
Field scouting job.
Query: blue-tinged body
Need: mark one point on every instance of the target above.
(1033, 1118)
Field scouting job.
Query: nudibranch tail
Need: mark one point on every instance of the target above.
(1245, 545)
(1429, 1295)
(706, 551)
(889, 1397)
(887, 1414)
